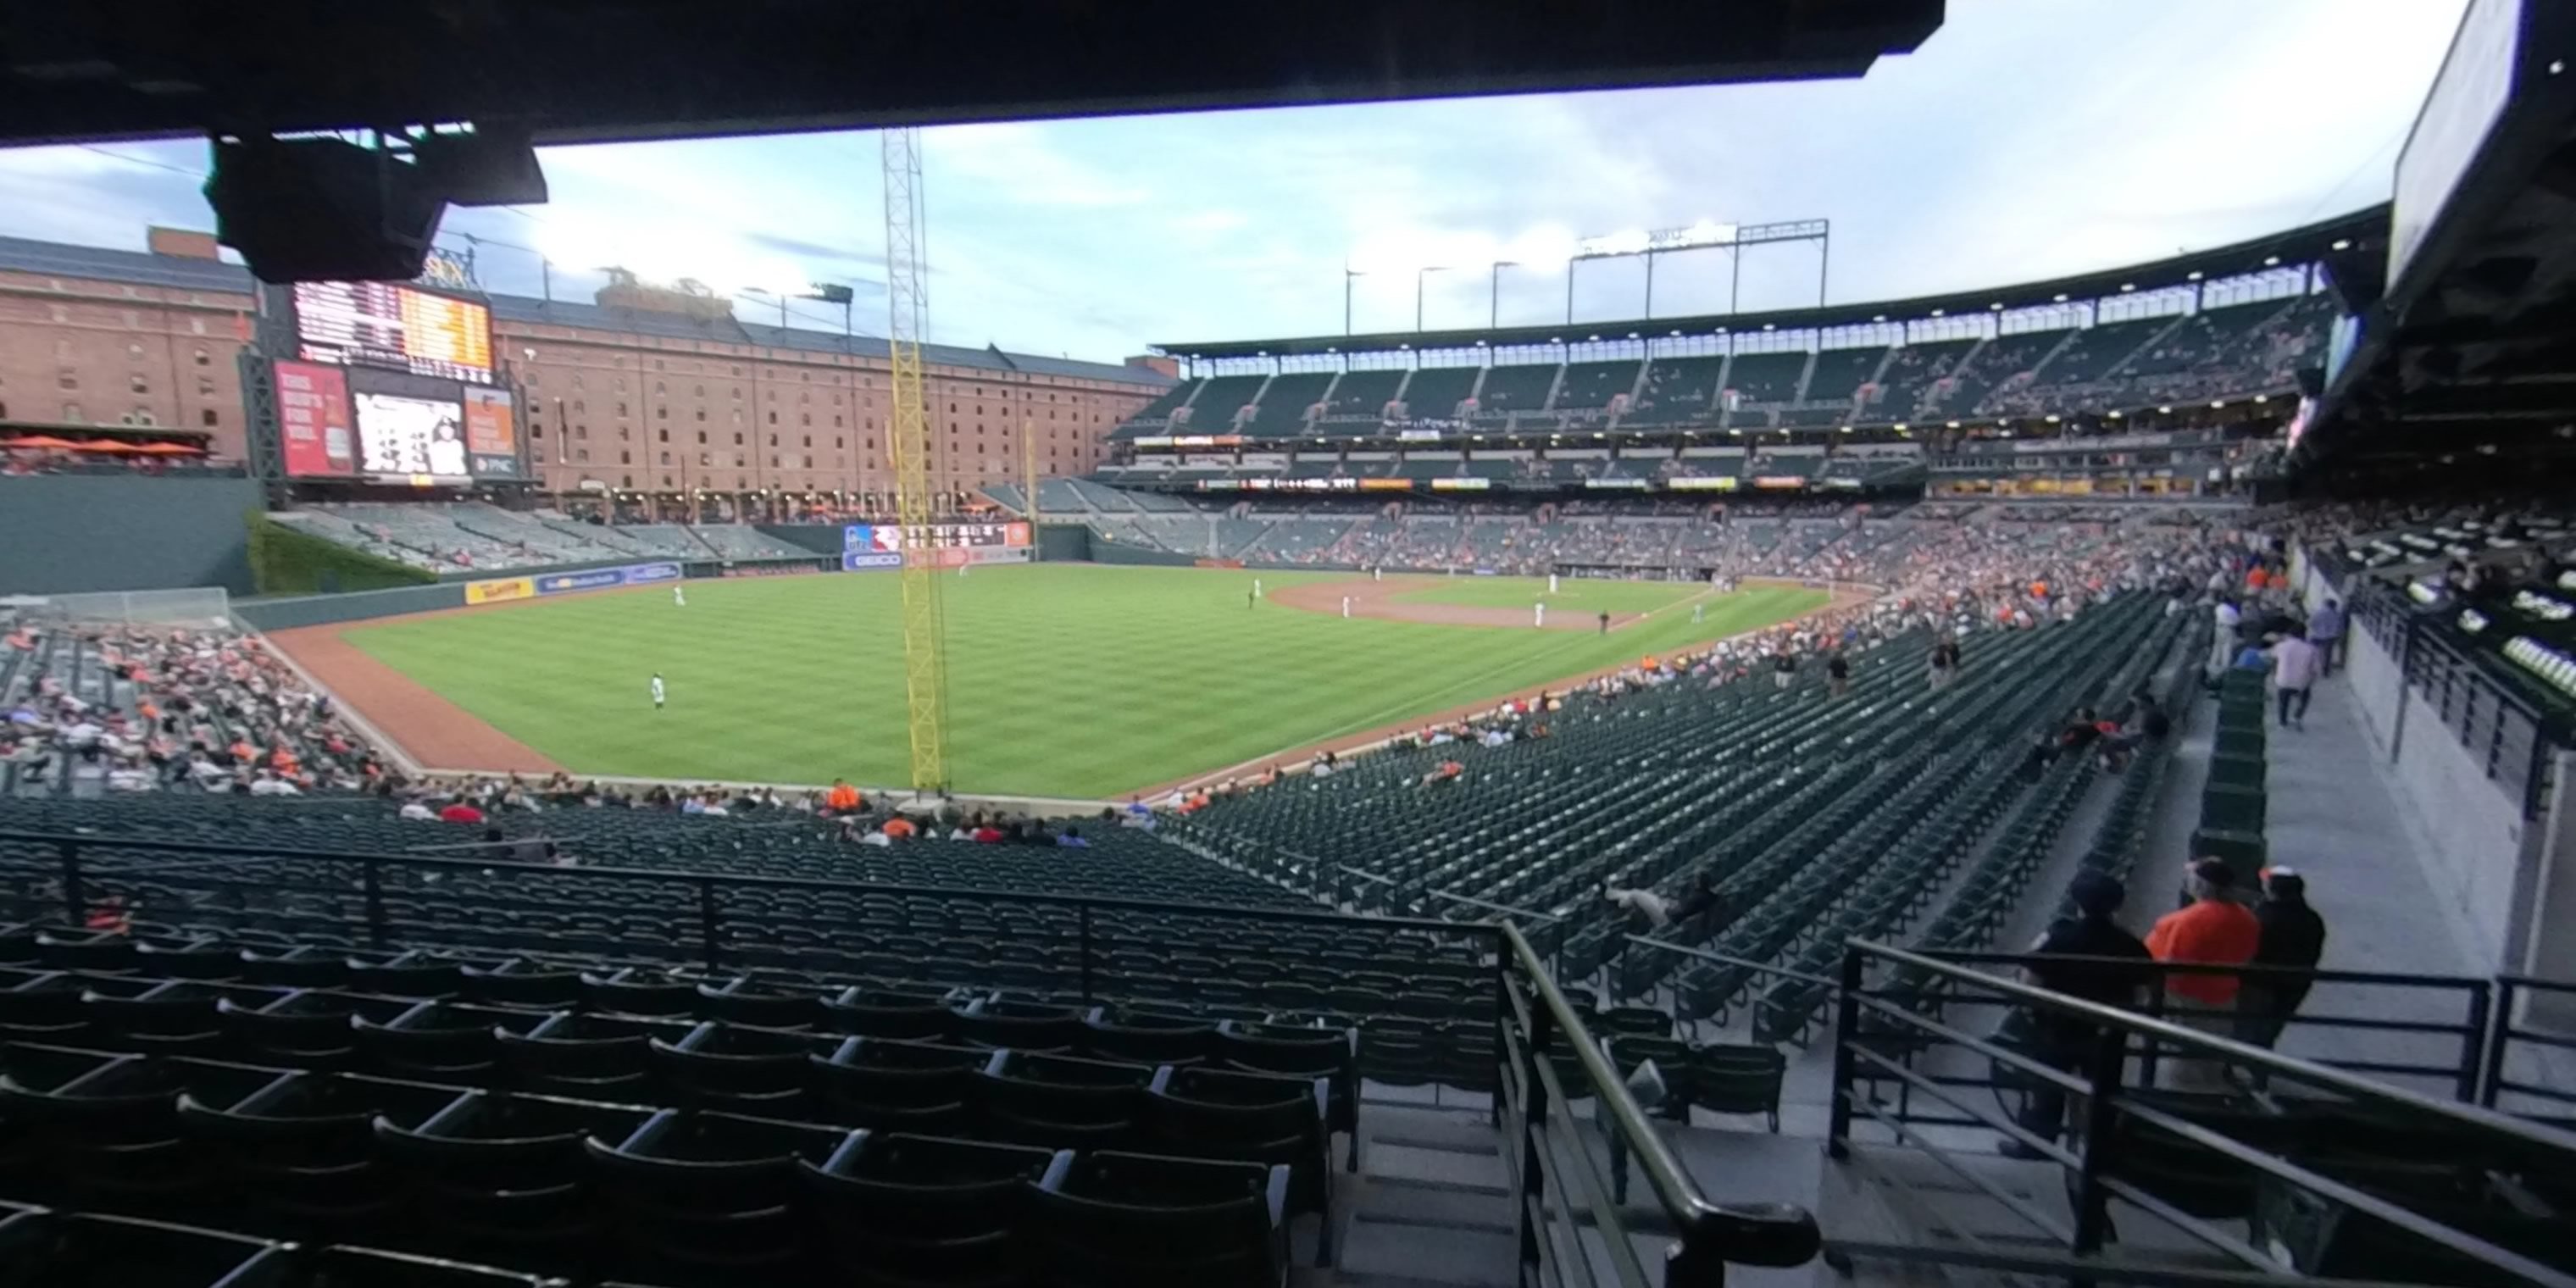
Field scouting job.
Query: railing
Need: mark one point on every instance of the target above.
(1566, 1169)
(2514, 1035)
(2168, 1155)
(1572, 1227)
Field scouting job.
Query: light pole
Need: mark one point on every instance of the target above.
(1418, 275)
(1494, 300)
(1348, 274)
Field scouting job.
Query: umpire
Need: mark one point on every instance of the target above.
(2103, 963)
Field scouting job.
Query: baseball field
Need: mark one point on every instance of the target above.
(1065, 680)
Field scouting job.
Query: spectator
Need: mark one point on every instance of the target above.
(1072, 839)
(1945, 664)
(2105, 965)
(1784, 669)
(2222, 642)
(2211, 930)
(843, 798)
(2293, 936)
(2294, 670)
(460, 810)
(415, 808)
(899, 828)
(2325, 630)
(1837, 675)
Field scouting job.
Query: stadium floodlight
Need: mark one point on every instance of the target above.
(2114, 415)
(1900, 426)
(2217, 402)
(1936, 313)
(2262, 398)
(1997, 306)
(1953, 424)
(2342, 243)
(2128, 286)
(2051, 419)
(1881, 317)
(2165, 410)
(2060, 297)
(2192, 276)
(2271, 261)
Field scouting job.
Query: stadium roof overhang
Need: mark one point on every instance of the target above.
(2473, 345)
(600, 70)
(2295, 246)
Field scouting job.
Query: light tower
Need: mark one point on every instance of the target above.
(908, 442)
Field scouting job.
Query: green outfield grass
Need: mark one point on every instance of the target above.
(1063, 679)
(1573, 594)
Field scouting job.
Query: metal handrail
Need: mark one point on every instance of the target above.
(1711, 954)
(2522, 1131)
(1503, 908)
(1764, 1234)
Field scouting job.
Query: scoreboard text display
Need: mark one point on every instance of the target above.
(387, 324)
(863, 537)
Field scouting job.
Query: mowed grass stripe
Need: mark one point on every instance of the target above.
(1064, 679)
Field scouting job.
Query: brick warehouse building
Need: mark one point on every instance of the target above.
(649, 390)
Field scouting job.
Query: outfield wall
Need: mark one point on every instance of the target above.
(69, 533)
(288, 612)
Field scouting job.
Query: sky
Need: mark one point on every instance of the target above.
(2026, 139)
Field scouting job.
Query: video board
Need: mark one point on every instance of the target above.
(390, 324)
(2469, 94)
(313, 421)
(410, 429)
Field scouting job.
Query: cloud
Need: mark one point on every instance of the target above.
(2026, 139)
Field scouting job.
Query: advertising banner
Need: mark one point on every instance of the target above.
(1721, 483)
(869, 560)
(1460, 485)
(491, 436)
(1638, 485)
(998, 554)
(1386, 485)
(1781, 482)
(313, 421)
(565, 583)
(1018, 534)
(500, 590)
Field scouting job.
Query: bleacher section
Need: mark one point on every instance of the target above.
(1803, 812)
(2096, 351)
(1220, 400)
(1284, 404)
(1589, 385)
(1509, 390)
(1679, 391)
(1840, 373)
(2002, 362)
(1435, 392)
(1766, 377)
(1363, 395)
(1909, 375)
(475, 537)
(1155, 415)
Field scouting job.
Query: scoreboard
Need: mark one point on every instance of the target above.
(388, 324)
(861, 537)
